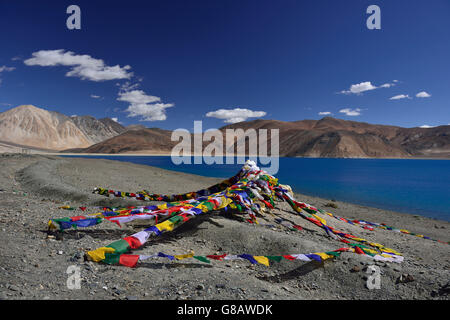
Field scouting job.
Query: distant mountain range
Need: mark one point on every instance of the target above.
(328, 137)
(38, 128)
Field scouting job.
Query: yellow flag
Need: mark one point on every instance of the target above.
(261, 259)
(391, 251)
(225, 202)
(320, 219)
(52, 225)
(98, 255)
(323, 255)
(184, 256)
(166, 225)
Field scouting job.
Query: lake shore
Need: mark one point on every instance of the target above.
(34, 265)
(155, 154)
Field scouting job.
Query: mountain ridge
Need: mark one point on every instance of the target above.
(35, 127)
(327, 137)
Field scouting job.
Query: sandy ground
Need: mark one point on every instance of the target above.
(34, 266)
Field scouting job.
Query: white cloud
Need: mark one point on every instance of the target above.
(94, 96)
(82, 66)
(7, 69)
(359, 88)
(144, 106)
(400, 96)
(324, 113)
(149, 112)
(351, 112)
(426, 126)
(137, 97)
(115, 119)
(127, 86)
(423, 94)
(235, 115)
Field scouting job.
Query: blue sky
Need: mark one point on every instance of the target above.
(167, 63)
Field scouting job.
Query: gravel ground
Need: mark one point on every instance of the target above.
(34, 265)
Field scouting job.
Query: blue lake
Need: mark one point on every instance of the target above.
(410, 186)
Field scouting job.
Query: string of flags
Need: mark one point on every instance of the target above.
(131, 260)
(370, 225)
(249, 193)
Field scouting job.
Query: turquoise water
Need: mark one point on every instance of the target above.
(411, 186)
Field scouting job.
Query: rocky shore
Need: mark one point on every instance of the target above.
(34, 264)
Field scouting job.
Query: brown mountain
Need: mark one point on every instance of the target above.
(98, 130)
(328, 137)
(38, 128)
(152, 140)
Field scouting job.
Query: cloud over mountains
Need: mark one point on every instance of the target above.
(235, 115)
(81, 66)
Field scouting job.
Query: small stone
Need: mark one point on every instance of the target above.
(200, 287)
(132, 298)
(76, 257)
(405, 278)
(287, 289)
(60, 252)
(220, 286)
(13, 287)
(355, 269)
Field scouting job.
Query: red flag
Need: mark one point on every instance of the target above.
(217, 257)
(133, 242)
(78, 218)
(129, 260)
